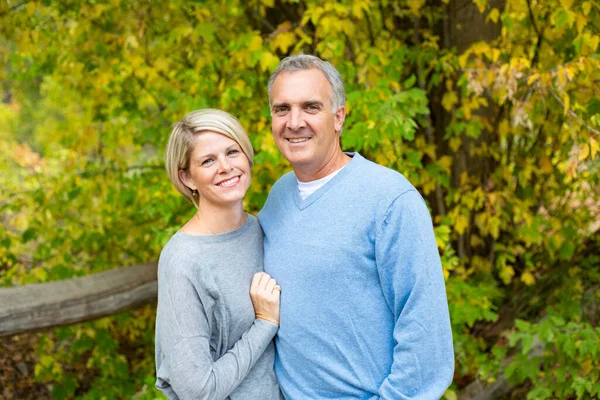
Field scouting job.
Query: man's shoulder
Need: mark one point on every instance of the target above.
(379, 177)
(277, 194)
(287, 182)
(289, 178)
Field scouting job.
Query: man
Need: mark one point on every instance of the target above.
(364, 313)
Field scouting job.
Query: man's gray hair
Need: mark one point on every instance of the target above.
(301, 62)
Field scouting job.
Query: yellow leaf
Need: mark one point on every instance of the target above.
(584, 153)
(455, 143)
(255, 44)
(593, 147)
(567, 101)
(481, 4)
(476, 241)
(466, 109)
(30, 7)
(450, 395)
(527, 278)
(533, 78)
(462, 59)
(560, 74)
(506, 274)
(493, 15)
(580, 22)
(593, 42)
(566, 3)
(161, 64)
(461, 223)
(545, 165)
(348, 27)
(283, 41)
(268, 61)
(446, 161)
(586, 7)
(495, 54)
(40, 274)
(131, 42)
(480, 48)
(415, 6)
(449, 100)
(359, 8)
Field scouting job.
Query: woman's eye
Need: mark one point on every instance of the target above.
(207, 161)
(232, 152)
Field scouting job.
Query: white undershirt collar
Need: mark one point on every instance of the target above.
(305, 189)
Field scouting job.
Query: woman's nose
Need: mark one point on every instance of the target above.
(224, 165)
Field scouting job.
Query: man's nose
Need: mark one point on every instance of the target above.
(295, 120)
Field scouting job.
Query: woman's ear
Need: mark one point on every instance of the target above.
(183, 176)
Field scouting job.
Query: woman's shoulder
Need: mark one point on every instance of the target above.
(180, 256)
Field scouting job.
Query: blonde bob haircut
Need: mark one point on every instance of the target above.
(181, 142)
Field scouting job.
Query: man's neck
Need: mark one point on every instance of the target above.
(338, 161)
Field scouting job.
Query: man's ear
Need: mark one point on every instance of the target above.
(183, 176)
(340, 116)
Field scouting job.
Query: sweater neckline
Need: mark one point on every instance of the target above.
(356, 158)
(220, 237)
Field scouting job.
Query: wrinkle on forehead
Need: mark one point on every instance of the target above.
(297, 86)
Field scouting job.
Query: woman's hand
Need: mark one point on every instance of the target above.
(264, 293)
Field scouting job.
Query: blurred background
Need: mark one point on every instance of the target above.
(490, 108)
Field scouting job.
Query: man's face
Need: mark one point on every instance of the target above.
(305, 129)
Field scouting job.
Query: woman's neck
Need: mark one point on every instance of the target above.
(211, 220)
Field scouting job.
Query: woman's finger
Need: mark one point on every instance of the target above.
(270, 285)
(254, 285)
(264, 279)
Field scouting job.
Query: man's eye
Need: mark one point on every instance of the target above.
(281, 110)
(312, 107)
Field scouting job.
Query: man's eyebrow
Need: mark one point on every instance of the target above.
(304, 104)
(313, 102)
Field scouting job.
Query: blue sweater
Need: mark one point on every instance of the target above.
(364, 313)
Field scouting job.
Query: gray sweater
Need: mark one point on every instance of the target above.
(208, 343)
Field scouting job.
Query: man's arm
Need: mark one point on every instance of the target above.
(413, 285)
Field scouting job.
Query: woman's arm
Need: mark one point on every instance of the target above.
(188, 367)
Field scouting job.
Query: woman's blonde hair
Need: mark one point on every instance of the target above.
(181, 142)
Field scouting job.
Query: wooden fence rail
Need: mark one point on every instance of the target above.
(45, 305)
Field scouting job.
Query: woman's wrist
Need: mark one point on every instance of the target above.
(268, 319)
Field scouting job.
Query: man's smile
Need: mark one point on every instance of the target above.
(298, 140)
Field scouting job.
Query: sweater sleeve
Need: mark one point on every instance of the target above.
(413, 285)
(189, 367)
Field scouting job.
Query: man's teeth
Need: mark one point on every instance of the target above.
(298, 140)
(229, 182)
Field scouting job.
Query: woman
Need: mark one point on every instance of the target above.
(217, 312)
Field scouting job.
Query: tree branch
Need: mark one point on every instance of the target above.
(574, 115)
(12, 8)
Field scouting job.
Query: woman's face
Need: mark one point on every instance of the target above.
(219, 170)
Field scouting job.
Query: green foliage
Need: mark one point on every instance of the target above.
(501, 138)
